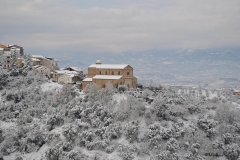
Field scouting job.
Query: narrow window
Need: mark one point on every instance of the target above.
(128, 73)
(106, 73)
(112, 73)
(118, 72)
(100, 72)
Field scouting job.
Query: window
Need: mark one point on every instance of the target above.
(128, 73)
(118, 72)
(112, 73)
(100, 72)
(106, 73)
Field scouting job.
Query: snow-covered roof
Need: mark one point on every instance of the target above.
(76, 68)
(51, 58)
(35, 59)
(65, 72)
(87, 80)
(1, 49)
(37, 56)
(37, 66)
(109, 66)
(13, 48)
(106, 77)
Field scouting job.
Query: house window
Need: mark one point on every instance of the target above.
(118, 72)
(128, 73)
(112, 73)
(100, 72)
(106, 73)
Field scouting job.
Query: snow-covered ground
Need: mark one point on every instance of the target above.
(39, 155)
(51, 86)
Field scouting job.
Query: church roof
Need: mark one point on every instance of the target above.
(87, 80)
(108, 66)
(106, 77)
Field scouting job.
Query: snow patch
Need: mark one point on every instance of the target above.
(51, 86)
(118, 97)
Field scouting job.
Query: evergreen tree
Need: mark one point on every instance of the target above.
(14, 67)
(28, 64)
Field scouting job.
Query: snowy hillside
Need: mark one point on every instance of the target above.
(40, 119)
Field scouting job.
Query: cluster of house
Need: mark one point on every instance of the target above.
(6, 53)
(117, 74)
(46, 66)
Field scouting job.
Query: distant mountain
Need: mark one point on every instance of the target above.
(209, 67)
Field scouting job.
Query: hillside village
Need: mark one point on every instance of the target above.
(117, 74)
(51, 119)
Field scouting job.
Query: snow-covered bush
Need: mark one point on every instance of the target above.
(70, 132)
(131, 131)
(110, 149)
(55, 120)
(161, 108)
(75, 155)
(207, 125)
(36, 137)
(24, 118)
(125, 152)
(3, 80)
(172, 145)
(10, 144)
(1, 135)
(75, 112)
(122, 88)
(113, 131)
(167, 155)
(85, 139)
(91, 93)
(106, 93)
(147, 93)
(156, 134)
(194, 109)
(231, 151)
(178, 129)
(193, 152)
(53, 153)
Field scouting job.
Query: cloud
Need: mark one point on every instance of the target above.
(118, 26)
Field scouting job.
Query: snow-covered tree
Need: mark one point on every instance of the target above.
(28, 64)
(14, 67)
(91, 93)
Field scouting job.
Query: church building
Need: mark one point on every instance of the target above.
(117, 74)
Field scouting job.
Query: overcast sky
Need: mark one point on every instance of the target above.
(119, 25)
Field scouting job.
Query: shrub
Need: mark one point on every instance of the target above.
(54, 120)
(70, 132)
(131, 131)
